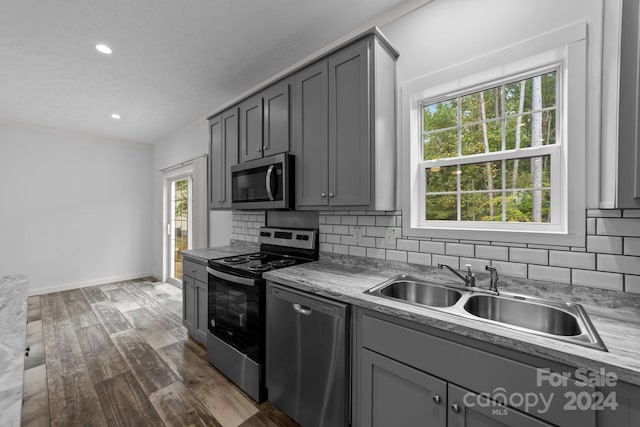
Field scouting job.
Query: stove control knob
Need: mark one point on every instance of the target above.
(213, 323)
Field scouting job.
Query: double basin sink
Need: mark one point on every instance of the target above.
(566, 322)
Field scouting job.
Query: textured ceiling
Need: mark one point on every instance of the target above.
(173, 61)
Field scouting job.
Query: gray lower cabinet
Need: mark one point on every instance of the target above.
(223, 152)
(403, 372)
(394, 394)
(195, 300)
(344, 124)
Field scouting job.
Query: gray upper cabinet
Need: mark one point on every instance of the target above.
(251, 114)
(311, 100)
(629, 114)
(223, 152)
(344, 130)
(276, 119)
(264, 123)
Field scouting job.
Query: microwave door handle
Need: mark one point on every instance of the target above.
(268, 182)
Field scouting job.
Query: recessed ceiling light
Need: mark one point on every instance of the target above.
(103, 48)
(115, 116)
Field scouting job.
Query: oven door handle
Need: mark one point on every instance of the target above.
(231, 278)
(268, 182)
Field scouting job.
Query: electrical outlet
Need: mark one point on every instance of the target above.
(390, 237)
(357, 233)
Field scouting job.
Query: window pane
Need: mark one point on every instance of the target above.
(481, 106)
(440, 145)
(481, 207)
(533, 172)
(473, 138)
(549, 90)
(517, 97)
(529, 206)
(442, 179)
(481, 176)
(442, 207)
(441, 115)
(518, 132)
(536, 125)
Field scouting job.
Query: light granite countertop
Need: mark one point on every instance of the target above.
(615, 315)
(205, 254)
(14, 291)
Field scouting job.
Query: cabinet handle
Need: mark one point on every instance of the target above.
(323, 194)
(455, 408)
(437, 399)
(258, 149)
(264, 148)
(331, 194)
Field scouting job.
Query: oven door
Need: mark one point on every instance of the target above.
(234, 311)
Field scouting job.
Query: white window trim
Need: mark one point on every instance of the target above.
(566, 48)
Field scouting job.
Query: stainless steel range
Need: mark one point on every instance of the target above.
(236, 339)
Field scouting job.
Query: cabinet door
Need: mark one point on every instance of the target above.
(229, 123)
(349, 126)
(201, 311)
(188, 303)
(393, 394)
(223, 152)
(251, 128)
(216, 163)
(311, 135)
(276, 119)
(468, 409)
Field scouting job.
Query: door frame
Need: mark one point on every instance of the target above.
(168, 178)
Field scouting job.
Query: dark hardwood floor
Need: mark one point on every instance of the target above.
(118, 355)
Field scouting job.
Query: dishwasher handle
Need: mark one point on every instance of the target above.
(301, 309)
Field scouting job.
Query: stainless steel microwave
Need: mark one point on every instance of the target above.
(265, 183)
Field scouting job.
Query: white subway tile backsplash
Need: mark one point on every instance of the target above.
(619, 263)
(550, 274)
(386, 221)
(604, 213)
(477, 264)
(604, 244)
(585, 261)
(631, 246)
(492, 252)
(366, 220)
(376, 253)
(397, 256)
(432, 247)
(597, 279)
(451, 261)
(341, 229)
(408, 245)
(419, 258)
(610, 259)
(357, 251)
(348, 220)
(459, 249)
(632, 284)
(619, 227)
(531, 256)
(341, 249)
(510, 268)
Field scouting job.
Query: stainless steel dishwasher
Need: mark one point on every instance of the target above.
(308, 356)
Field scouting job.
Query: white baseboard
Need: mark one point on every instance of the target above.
(87, 283)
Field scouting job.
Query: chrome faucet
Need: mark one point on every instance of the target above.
(470, 278)
(493, 281)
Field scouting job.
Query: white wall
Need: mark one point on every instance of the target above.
(184, 145)
(75, 209)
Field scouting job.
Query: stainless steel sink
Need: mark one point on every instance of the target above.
(419, 292)
(566, 322)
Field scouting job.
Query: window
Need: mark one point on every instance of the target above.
(490, 155)
(494, 148)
